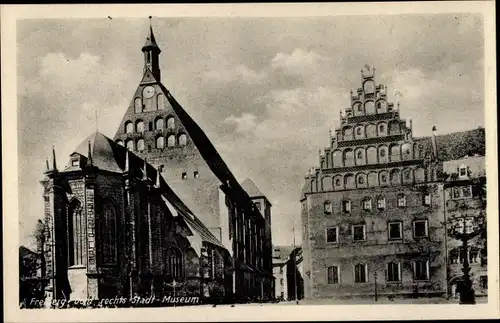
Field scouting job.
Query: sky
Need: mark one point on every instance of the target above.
(266, 91)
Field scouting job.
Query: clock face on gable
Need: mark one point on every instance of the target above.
(148, 92)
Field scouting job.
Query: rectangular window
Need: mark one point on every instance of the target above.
(346, 206)
(467, 192)
(360, 273)
(257, 204)
(420, 229)
(359, 232)
(367, 204)
(463, 171)
(395, 230)
(381, 203)
(461, 192)
(483, 281)
(333, 275)
(184, 175)
(394, 272)
(427, 199)
(332, 235)
(421, 270)
(75, 162)
(328, 207)
(401, 201)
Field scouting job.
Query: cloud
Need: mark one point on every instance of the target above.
(297, 60)
(238, 73)
(244, 124)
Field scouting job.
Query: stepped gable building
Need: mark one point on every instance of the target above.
(156, 127)
(116, 228)
(373, 209)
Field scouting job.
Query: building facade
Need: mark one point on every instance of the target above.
(157, 128)
(281, 255)
(116, 229)
(372, 212)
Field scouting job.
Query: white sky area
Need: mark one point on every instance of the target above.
(266, 91)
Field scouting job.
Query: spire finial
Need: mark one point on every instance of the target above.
(54, 164)
(47, 164)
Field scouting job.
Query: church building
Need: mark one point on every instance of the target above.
(156, 203)
(373, 211)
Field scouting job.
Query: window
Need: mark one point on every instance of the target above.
(421, 270)
(462, 171)
(184, 175)
(108, 235)
(140, 126)
(346, 206)
(149, 148)
(467, 192)
(395, 230)
(160, 142)
(359, 232)
(360, 273)
(337, 182)
(401, 201)
(196, 175)
(129, 127)
(159, 124)
(75, 162)
(150, 126)
(381, 128)
(333, 275)
(473, 256)
(420, 229)
(383, 177)
(161, 104)
(381, 203)
(138, 105)
(182, 140)
(367, 204)
(394, 272)
(130, 144)
(170, 123)
(75, 233)
(359, 131)
(140, 144)
(171, 141)
(361, 179)
(174, 262)
(427, 199)
(483, 282)
(332, 235)
(328, 207)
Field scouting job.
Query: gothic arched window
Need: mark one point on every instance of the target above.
(174, 263)
(139, 126)
(171, 141)
(140, 144)
(75, 233)
(182, 140)
(368, 87)
(371, 155)
(371, 131)
(348, 158)
(108, 237)
(138, 105)
(347, 133)
(370, 107)
(372, 179)
(395, 154)
(129, 127)
(159, 124)
(170, 123)
(160, 142)
(337, 158)
(130, 144)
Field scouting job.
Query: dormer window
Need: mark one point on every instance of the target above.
(463, 171)
(75, 162)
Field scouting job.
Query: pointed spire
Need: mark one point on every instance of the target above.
(127, 162)
(150, 40)
(54, 164)
(91, 163)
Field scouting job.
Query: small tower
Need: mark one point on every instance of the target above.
(151, 54)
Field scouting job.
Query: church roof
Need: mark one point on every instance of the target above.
(110, 156)
(250, 187)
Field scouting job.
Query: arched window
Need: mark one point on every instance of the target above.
(348, 158)
(349, 181)
(372, 179)
(382, 154)
(371, 131)
(407, 151)
(384, 178)
(182, 140)
(327, 183)
(371, 155)
(337, 158)
(140, 144)
(347, 133)
(368, 87)
(395, 177)
(407, 176)
(361, 180)
(159, 124)
(108, 237)
(129, 127)
(138, 105)
(130, 144)
(76, 232)
(175, 263)
(120, 142)
(160, 101)
(171, 141)
(170, 123)
(419, 175)
(395, 153)
(160, 142)
(382, 129)
(148, 57)
(139, 126)
(370, 107)
(360, 156)
(357, 108)
(381, 106)
(360, 132)
(394, 128)
(337, 182)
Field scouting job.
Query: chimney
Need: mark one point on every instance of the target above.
(434, 143)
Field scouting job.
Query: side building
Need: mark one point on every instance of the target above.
(157, 128)
(372, 212)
